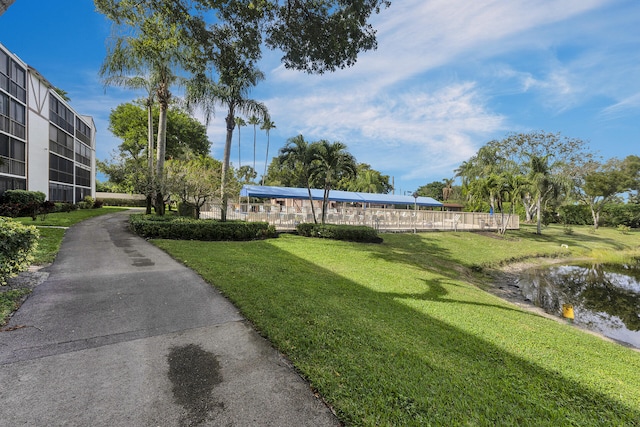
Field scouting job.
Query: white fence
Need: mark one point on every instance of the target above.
(390, 220)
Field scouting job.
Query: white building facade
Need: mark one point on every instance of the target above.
(44, 144)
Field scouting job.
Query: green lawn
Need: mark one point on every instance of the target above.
(395, 334)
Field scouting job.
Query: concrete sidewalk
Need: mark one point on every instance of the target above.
(120, 334)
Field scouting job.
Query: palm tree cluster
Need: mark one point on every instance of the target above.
(319, 164)
(534, 169)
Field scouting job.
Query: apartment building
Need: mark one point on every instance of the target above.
(44, 144)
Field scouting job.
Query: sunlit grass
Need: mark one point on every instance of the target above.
(393, 334)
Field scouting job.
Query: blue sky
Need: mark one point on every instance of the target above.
(448, 76)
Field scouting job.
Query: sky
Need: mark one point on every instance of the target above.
(448, 76)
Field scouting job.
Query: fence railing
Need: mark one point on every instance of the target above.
(390, 220)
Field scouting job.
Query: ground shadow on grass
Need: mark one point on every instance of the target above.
(572, 239)
(379, 361)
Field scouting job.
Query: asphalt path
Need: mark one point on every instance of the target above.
(120, 334)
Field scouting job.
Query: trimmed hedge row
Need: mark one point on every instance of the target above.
(17, 245)
(352, 233)
(131, 203)
(181, 228)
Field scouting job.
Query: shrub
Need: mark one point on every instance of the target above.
(186, 209)
(87, 203)
(29, 202)
(23, 197)
(97, 204)
(10, 210)
(353, 233)
(138, 203)
(17, 245)
(182, 228)
(65, 207)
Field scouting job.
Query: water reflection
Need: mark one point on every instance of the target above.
(605, 297)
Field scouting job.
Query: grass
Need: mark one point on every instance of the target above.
(395, 334)
(9, 302)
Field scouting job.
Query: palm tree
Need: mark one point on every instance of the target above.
(155, 51)
(267, 125)
(331, 163)
(253, 120)
(239, 122)
(231, 92)
(544, 184)
(149, 84)
(299, 155)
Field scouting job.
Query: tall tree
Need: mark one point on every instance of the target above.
(598, 184)
(254, 121)
(194, 181)
(239, 123)
(231, 91)
(157, 41)
(331, 164)
(299, 156)
(544, 184)
(314, 36)
(185, 136)
(267, 125)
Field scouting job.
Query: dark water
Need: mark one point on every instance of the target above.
(605, 297)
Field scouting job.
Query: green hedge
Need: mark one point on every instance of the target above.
(181, 228)
(133, 203)
(353, 233)
(612, 215)
(17, 245)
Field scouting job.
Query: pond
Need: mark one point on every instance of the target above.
(605, 297)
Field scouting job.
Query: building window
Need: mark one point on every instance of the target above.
(60, 193)
(4, 113)
(60, 142)
(12, 156)
(83, 131)
(18, 81)
(60, 114)
(60, 169)
(83, 154)
(18, 119)
(4, 71)
(9, 183)
(81, 193)
(83, 177)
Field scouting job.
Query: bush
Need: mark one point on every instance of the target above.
(29, 202)
(17, 245)
(132, 203)
(97, 204)
(352, 233)
(181, 228)
(65, 207)
(10, 210)
(23, 197)
(186, 209)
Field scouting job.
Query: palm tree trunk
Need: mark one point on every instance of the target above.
(266, 160)
(162, 145)
(225, 165)
(539, 214)
(149, 155)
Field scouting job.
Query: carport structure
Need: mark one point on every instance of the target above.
(285, 207)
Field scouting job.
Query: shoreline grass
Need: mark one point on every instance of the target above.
(395, 334)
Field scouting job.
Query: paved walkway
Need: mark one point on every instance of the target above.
(120, 334)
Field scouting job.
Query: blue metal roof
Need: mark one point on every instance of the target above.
(335, 195)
